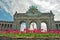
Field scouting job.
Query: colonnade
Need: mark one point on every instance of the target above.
(5, 26)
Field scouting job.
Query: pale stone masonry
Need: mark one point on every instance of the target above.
(32, 15)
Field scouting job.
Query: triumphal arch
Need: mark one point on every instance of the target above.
(34, 15)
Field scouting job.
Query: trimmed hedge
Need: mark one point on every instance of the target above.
(31, 35)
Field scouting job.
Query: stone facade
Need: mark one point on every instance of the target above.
(32, 15)
(57, 25)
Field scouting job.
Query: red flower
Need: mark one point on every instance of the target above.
(3, 30)
(18, 31)
(26, 30)
(10, 31)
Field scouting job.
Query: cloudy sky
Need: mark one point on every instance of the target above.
(8, 7)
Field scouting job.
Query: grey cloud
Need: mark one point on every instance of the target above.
(23, 5)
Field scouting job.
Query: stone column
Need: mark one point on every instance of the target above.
(38, 24)
(52, 24)
(59, 26)
(0, 27)
(18, 25)
(14, 24)
(6, 26)
(27, 24)
(49, 27)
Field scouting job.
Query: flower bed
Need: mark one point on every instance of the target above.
(30, 33)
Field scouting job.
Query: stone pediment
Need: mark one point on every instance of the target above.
(33, 11)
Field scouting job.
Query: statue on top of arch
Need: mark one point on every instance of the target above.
(33, 10)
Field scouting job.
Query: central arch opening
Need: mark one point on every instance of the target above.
(33, 25)
(43, 27)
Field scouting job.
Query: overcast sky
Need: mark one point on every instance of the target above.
(11, 6)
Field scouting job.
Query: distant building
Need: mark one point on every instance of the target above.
(32, 15)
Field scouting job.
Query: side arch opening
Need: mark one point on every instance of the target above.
(22, 25)
(43, 27)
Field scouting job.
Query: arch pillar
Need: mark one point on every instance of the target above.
(16, 25)
(19, 25)
(28, 24)
(51, 25)
(39, 24)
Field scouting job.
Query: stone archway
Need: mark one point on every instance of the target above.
(33, 25)
(44, 26)
(22, 25)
